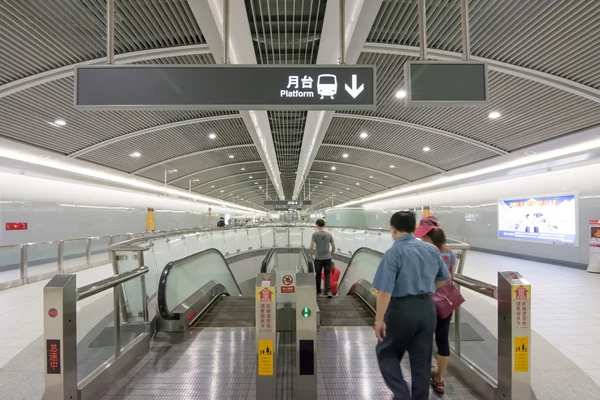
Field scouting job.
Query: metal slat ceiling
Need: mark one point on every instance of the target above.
(197, 163)
(59, 33)
(532, 112)
(286, 32)
(182, 140)
(554, 36)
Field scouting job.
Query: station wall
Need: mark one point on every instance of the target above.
(470, 213)
(57, 210)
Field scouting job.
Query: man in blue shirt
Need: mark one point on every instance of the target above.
(407, 276)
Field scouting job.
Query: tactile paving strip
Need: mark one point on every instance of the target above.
(349, 368)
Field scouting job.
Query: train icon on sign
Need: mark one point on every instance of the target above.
(327, 86)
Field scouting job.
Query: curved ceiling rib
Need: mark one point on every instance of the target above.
(361, 167)
(196, 153)
(152, 129)
(351, 177)
(554, 81)
(126, 58)
(260, 180)
(412, 160)
(428, 129)
(213, 169)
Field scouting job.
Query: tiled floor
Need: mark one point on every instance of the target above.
(21, 311)
(566, 304)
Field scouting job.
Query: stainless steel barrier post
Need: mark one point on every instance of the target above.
(61, 257)
(306, 336)
(60, 337)
(266, 337)
(514, 337)
(24, 263)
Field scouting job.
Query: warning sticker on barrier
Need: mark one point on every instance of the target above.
(521, 355)
(521, 292)
(265, 358)
(265, 297)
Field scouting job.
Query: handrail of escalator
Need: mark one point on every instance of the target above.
(162, 283)
(267, 260)
(308, 259)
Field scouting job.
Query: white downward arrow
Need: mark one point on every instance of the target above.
(354, 91)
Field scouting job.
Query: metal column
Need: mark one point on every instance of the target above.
(266, 337)
(60, 338)
(514, 337)
(110, 32)
(306, 336)
(422, 29)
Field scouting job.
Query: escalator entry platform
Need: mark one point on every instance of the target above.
(229, 312)
(344, 311)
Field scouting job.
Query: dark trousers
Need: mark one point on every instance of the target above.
(410, 325)
(321, 265)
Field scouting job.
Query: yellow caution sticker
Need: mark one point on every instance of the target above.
(521, 292)
(521, 354)
(150, 219)
(265, 358)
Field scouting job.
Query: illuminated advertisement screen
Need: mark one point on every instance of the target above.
(541, 219)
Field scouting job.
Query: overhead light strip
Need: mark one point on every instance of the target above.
(584, 146)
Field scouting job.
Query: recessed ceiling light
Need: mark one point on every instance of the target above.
(333, 168)
(60, 122)
(320, 183)
(243, 169)
(135, 154)
(392, 166)
(222, 191)
(325, 177)
(426, 149)
(530, 153)
(256, 183)
(242, 199)
(400, 94)
(371, 176)
(45, 156)
(494, 115)
(357, 184)
(260, 187)
(212, 186)
(345, 155)
(231, 156)
(171, 171)
(364, 135)
(212, 136)
(249, 177)
(196, 180)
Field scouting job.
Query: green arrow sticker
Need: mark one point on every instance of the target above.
(306, 312)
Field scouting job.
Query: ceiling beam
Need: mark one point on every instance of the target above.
(153, 129)
(196, 153)
(359, 18)
(126, 58)
(427, 129)
(554, 81)
(383, 153)
(361, 167)
(209, 15)
(213, 169)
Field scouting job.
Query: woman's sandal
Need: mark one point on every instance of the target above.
(438, 386)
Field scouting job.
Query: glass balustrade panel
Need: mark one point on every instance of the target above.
(177, 248)
(267, 237)
(295, 237)
(242, 239)
(74, 255)
(363, 266)
(229, 242)
(42, 259)
(10, 263)
(188, 277)
(192, 246)
(281, 237)
(99, 251)
(254, 238)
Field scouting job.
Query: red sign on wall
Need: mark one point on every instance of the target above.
(16, 226)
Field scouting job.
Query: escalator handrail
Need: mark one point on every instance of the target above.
(267, 260)
(309, 263)
(359, 250)
(162, 282)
